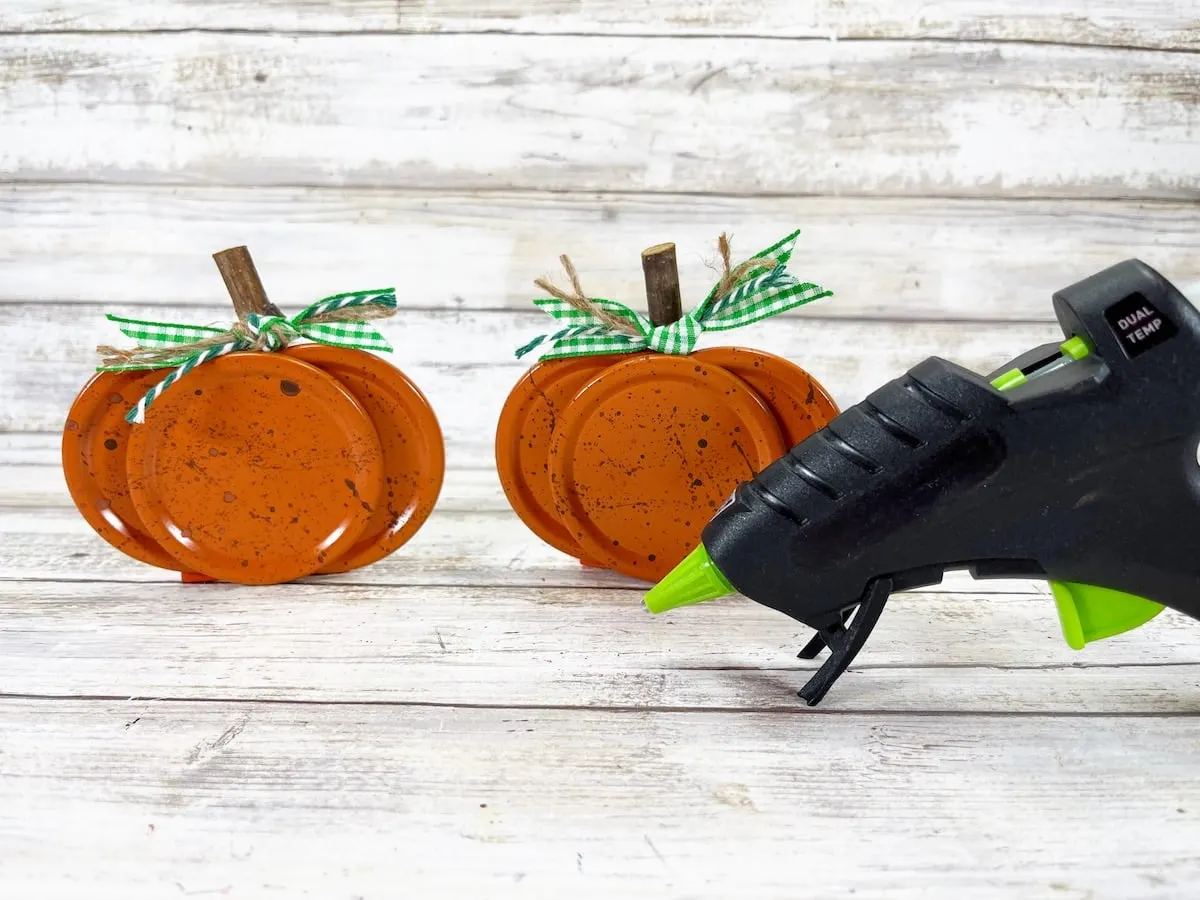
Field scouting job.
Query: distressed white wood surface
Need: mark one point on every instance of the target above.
(152, 799)
(447, 112)
(537, 647)
(1130, 23)
(479, 694)
(885, 258)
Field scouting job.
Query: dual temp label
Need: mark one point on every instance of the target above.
(1138, 325)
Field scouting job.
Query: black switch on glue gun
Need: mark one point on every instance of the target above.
(1076, 463)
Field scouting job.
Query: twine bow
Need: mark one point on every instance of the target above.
(756, 289)
(339, 321)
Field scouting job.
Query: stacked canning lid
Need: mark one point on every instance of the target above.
(256, 468)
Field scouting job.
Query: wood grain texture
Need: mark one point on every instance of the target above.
(40, 451)
(883, 258)
(1133, 23)
(53, 355)
(154, 799)
(573, 647)
(457, 546)
(478, 715)
(462, 112)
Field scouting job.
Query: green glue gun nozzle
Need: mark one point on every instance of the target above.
(695, 580)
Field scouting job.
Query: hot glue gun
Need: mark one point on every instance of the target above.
(1076, 463)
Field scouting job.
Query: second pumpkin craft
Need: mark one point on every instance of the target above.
(622, 441)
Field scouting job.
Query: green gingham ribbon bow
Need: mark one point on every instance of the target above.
(763, 290)
(327, 322)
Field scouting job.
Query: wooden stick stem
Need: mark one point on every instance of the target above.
(662, 284)
(242, 281)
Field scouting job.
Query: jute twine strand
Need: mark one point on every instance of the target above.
(731, 276)
(579, 300)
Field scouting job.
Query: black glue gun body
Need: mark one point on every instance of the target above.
(1076, 463)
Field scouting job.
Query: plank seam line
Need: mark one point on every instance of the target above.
(491, 586)
(800, 709)
(1185, 198)
(964, 666)
(595, 35)
(520, 194)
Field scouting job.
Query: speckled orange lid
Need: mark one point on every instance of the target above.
(530, 416)
(95, 441)
(258, 468)
(646, 453)
(414, 462)
(798, 402)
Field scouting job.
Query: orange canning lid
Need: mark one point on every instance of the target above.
(414, 463)
(799, 403)
(645, 454)
(255, 468)
(524, 431)
(94, 447)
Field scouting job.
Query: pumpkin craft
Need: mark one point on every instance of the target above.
(624, 438)
(259, 468)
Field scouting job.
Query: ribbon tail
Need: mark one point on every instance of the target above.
(767, 290)
(350, 335)
(571, 351)
(573, 331)
(781, 250)
(583, 340)
(771, 261)
(137, 415)
(162, 334)
(563, 311)
(384, 297)
(765, 302)
(537, 341)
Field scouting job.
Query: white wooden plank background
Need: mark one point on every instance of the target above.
(886, 258)
(468, 111)
(239, 799)
(478, 715)
(1165, 24)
